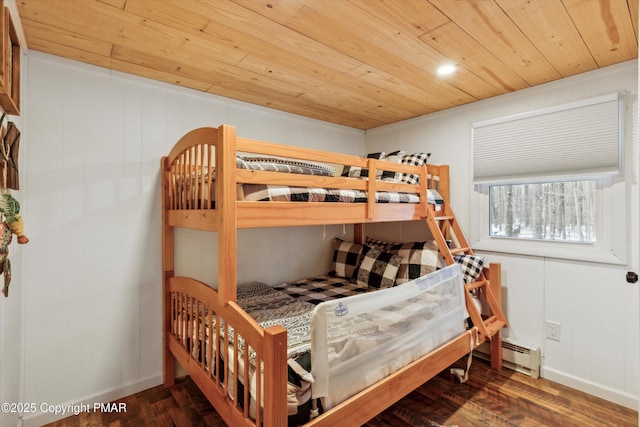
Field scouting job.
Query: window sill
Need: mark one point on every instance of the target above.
(562, 250)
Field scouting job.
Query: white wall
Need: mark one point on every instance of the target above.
(91, 201)
(598, 311)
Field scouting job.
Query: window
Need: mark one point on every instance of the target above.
(556, 211)
(550, 182)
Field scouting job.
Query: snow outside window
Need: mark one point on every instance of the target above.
(562, 211)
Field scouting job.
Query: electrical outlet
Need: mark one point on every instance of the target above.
(553, 330)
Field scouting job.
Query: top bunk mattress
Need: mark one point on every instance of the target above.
(266, 172)
(278, 193)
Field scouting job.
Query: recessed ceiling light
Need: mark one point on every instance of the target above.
(445, 70)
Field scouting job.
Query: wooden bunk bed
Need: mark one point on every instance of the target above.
(199, 182)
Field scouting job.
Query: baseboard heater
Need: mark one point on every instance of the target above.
(521, 359)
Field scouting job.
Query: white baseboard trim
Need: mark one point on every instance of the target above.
(616, 396)
(7, 421)
(40, 418)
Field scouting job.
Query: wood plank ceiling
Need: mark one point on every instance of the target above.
(359, 63)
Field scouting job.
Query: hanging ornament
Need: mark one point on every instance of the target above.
(10, 208)
(5, 264)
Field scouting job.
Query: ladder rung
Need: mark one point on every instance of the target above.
(476, 285)
(494, 326)
(443, 218)
(456, 251)
(489, 320)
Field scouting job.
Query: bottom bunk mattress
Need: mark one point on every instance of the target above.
(322, 288)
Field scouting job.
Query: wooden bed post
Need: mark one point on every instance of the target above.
(275, 379)
(168, 360)
(226, 206)
(443, 187)
(495, 280)
(358, 233)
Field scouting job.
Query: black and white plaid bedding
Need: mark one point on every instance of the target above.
(265, 163)
(323, 288)
(269, 193)
(471, 266)
(269, 307)
(279, 164)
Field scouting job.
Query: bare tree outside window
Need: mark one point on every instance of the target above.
(555, 211)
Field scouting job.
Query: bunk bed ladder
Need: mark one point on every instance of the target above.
(451, 241)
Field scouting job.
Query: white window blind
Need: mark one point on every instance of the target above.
(568, 140)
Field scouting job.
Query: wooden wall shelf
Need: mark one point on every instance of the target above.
(10, 57)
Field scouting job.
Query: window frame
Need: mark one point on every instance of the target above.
(612, 224)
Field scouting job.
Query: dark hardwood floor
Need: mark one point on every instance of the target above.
(488, 398)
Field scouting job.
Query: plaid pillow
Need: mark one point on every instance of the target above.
(380, 244)
(346, 257)
(378, 269)
(417, 159)
(470, 265)
(419, 258)
(357, 172)
(395, 157)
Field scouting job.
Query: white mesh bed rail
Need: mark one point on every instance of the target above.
(356, 341)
